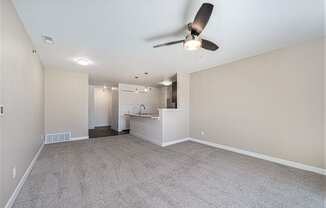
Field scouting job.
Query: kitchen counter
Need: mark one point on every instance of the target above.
(143, 115)
(165, 128)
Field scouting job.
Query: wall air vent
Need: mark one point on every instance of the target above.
(57, 137)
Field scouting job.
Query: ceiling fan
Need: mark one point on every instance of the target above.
(193, 41)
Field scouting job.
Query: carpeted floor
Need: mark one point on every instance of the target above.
(124, 171)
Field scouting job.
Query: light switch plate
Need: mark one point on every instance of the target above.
(14, 172)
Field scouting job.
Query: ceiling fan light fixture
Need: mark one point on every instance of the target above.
(192, 43)
(194, 29)
(166, 83)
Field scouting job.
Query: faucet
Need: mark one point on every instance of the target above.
(140, 108)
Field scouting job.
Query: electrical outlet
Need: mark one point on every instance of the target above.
(14, 172)
(202, 133)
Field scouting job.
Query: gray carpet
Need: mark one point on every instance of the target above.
(124, 171)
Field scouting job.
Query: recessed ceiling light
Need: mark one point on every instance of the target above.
(166, 82)
(48, 40)
(83, 61)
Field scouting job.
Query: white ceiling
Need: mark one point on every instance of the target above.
(118, 35)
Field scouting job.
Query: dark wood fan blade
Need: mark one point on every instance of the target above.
(206, 44)
(201, 18)
(179, 32)
(169, 43)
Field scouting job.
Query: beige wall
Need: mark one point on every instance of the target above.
(66, 102)
(324, 182)
(174, 124)
(1, 102)
(183, 94)
(115, 109)
(91, 107)
(270, 104)
(164, 96)
(325, 105)
(22, 84)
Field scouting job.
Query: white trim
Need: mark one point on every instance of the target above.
(264, 157)
(14, 195)
(79, 138)
(165, 144)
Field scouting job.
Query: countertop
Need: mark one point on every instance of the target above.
(144, 115)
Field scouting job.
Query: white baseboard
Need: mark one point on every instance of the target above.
(165, 144)
(264, 157)
(19, 186)
(79, 138)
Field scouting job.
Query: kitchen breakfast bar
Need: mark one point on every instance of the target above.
(165, 128)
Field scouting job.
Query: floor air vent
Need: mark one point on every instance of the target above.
(57, 137)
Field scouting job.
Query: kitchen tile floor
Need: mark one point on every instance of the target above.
(105, 131)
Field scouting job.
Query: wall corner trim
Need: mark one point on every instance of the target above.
(19, 186)
(165, 144)
(263, 157)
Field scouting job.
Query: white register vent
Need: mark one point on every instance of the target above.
(57, 137)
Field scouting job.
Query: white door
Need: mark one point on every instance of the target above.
(102, 106)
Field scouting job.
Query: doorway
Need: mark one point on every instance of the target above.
(100, 112)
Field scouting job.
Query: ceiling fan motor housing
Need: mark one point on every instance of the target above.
(192, 37)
